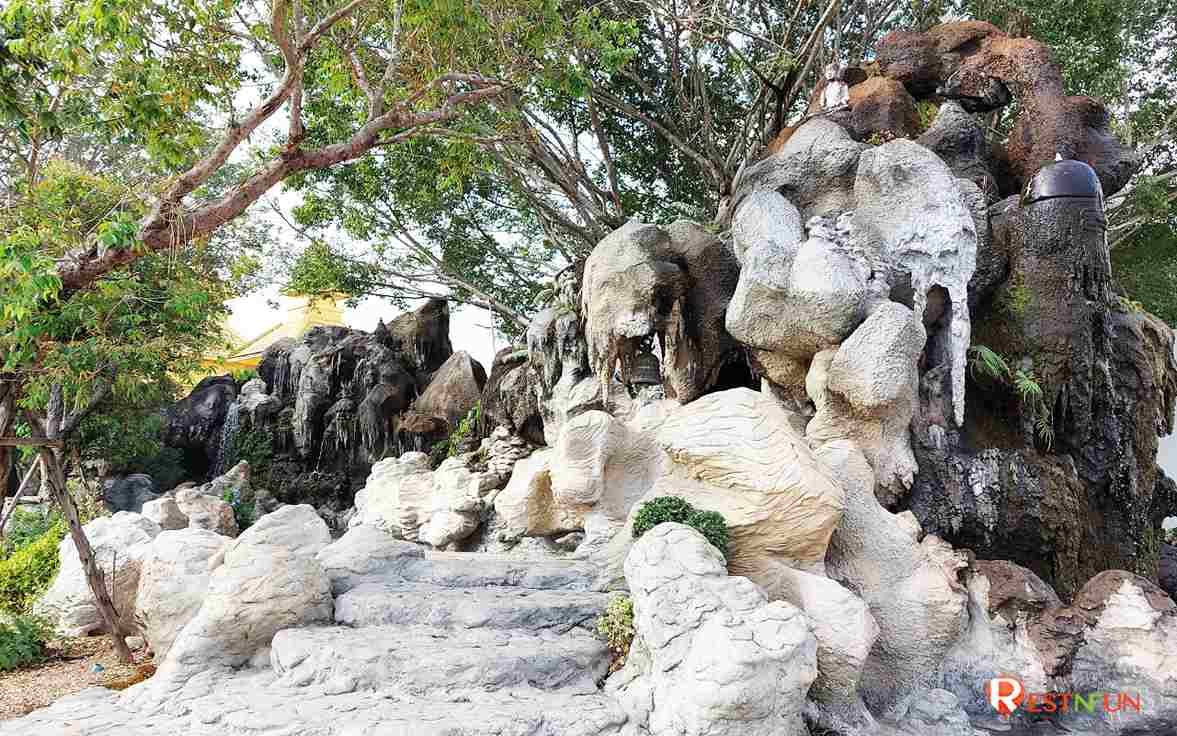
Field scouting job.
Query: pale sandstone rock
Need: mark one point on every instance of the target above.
(712, 657)
(165, 512)
(910, 212)
(911, 587)
(207, 512)
(119, 544)
(269, 580)
(173, 582)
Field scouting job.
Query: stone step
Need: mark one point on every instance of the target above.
(521, 609)
(253, 703)
(437, 663)
(475, 570)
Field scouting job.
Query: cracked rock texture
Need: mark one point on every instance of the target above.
(712, 656)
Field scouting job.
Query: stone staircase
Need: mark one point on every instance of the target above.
(446, 645)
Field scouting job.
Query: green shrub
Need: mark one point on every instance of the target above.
(466, 428)
(244, 511)
(24, 528)
(23, 641)
(713, 527)
(616, 625)
(710, 524)
(28, 572)
(659, 511)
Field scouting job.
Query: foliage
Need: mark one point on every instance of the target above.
(661, 510)
(1171, 536)
(24, 641)
(244, 375)
(710, 524)
(713, 527)
(1146, 269)
(256, 448)
(616, 625)
(1017, 297)
(28, 572)
(25, 527)
(926, 112)
(244, 510)
(467, 429)
(987, 363)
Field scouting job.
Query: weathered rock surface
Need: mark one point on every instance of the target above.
(711, 654)
(194, 423)
(408, 500)
(452, 392)
(911, 215)
(206, 511)
(166, 512)
(119, 543)
(1167, 569)
(642, 282)
(814, 169)
(866, 391)
(511, 397)
(909, 584)
(766, 220)
(173, 582)
(270, 580)
(129, 493)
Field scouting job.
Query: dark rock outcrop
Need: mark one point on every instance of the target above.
(1055, 467)
(194, 423)
(129, 493)
(1167, 569)
(331, 404)
(454, 390)
(511, 398)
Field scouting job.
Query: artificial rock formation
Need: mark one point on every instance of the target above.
(712, 657)
(129, 493)
(643, 283)
(119, 543)
(269, 580)
(173, 581)
(327, 406)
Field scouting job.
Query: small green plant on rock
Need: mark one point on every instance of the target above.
(244, 512)
(616, 625)
(988, 363)
(710, 524)
(24, 640)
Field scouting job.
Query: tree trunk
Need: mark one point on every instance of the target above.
(55, 481)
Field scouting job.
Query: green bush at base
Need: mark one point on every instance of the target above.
(710, 524)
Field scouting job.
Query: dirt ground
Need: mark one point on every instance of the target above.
(69, 670)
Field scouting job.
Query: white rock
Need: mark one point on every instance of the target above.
(396, 495)
(119, 544)
(911, 213)
(270, 580)
(866, 391)
(713, 656)
(165, 512)
(173, 582)
(207, 512)
(911, 587)
(364, 554)
(765, 218)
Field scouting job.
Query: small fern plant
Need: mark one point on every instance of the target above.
(988, 363)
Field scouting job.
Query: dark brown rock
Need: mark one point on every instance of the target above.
(511, 398)
(881, 105)
(1167, 569)
(911, 58)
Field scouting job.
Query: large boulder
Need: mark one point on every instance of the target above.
(129, 493)
(166, 512)
(194, 423)
(791, 302)
(711, 655)
(780, 504)
(408, 500)
(511, 397)
(866, 391)
(454, 389)
(173, 582)
(910, 584)
(206, 511)
(119, 544)
(270, 580)
(766, 220)
(642, 282)
(815, 169)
